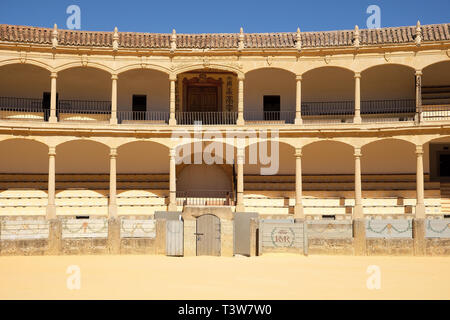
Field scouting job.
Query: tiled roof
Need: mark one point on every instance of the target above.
(396, 35)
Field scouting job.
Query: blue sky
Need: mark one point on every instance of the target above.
(208, 16)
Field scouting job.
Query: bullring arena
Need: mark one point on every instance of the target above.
(292, 151)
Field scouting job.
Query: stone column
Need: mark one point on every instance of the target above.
(172, 119)
(418, 118)
(298, 210)
(51, 207)
(53, 118)
(114, 79)
(240, 181)
(419, 218)
(173, 182)
(420, 204)
(357, 118)
(240, 119)
(113, 184)
(358, 213)
(298, 100)
(359, 224)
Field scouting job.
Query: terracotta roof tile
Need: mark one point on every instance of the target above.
(24, 34)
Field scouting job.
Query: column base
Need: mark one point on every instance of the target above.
(298, 121)
(51, 212)
(112, 211)
(358, 212)
(52, 119)
(240, 208)
(113, 121)
(298, 212)
(240, 122)
(420, 211)
(114, 236)
(419, 237)
(172, 122)
(359, 237)
(172, 207)
(357, 120)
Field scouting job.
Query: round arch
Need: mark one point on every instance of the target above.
(388, 156)
(26, 156)
(142, 157)
(200, 66)
(279, 160)
(316, 68)
(328, 83)
(79, 64)
(82, 156)
(261, 68)
(327, 157)
(378, 65)
(139, 66)
(27, 61)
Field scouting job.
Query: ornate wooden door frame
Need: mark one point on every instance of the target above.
(202, 80)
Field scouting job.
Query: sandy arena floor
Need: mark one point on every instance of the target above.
(266, 277)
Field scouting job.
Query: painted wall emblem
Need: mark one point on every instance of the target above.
(283, 237)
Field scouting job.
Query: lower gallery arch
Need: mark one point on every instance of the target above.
(437, 164)
(23, 177)
(328, 178)
(82, 178)
(269, 178)
(388, 168)
(142, 178)
(206, 174)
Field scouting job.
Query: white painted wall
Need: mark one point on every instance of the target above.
(143, 157)
(328, 84)
(24, 81)
(84, 83)
(328, 157)
(82, 156)
(202, 177)
(389, 156)
(437, 75)
(23, 156)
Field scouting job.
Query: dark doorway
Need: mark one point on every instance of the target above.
(202, 99)
(46, 101)
(139, 106)
(272, 107)
(444, 165)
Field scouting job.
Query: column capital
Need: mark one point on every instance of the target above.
(173, 77)
(298, 152)
(419, 73)
(54, 75)
(419, 150)
(114, 77)
(357, 75)
(298, 77)
(52, 151)
(358, 153)
(172, 152)
(241, 77)
(113, 152)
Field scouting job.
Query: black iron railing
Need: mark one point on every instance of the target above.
(336, 108)
(206, 118)
(12, 108)
(83, 105)
(270, 116)
(143, 116)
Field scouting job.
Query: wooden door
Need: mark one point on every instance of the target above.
(208, 235)
(202, 99)
(174, 237)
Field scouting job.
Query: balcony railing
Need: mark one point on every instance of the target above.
(388, 110)
(269, 117)
(328, 112)
(205, 198)
(206, 118)
(12, 108)
(436, 112)
(154, 117)
(83, 110)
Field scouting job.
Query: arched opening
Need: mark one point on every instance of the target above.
(328, 178)
(143, 96)
(328, 95)
(23, 177)
(436, 91)
(84, 94)
(206, 173)
(269, 178)
(269, 95)
(206, 96)
(82, 178)
(388, 169)
(24, 92)
(388, 93)
(142, 178)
